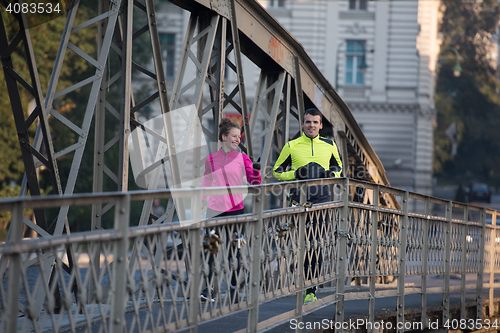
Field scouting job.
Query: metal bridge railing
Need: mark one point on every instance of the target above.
(149, 278)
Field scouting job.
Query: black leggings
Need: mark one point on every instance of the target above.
(213, 213)
(314, 257)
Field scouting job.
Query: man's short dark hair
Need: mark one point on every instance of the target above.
(314, 112)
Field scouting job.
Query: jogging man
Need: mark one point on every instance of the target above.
(308, 157)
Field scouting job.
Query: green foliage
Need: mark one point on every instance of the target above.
(470, 100)
(46, 38)
(5, 215)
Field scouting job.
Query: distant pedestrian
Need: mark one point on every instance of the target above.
(158, 210)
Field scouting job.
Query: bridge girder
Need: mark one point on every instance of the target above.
(289, 81)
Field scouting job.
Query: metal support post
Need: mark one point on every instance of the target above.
(341, 254)
(241, 82)
(11, 308)
(285, 130)
(345, 156)
(120, 248)
(403, 239)
(447, 262)
(298, 91)
(480, 271)
(220, 74)
(373, 255)
(126, 97)
(463, 263)
(493, 245)
(425, 254)
(301, 257)
(99, 142)
(255, 268)
(194, 278)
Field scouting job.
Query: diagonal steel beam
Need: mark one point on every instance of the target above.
(268, 96)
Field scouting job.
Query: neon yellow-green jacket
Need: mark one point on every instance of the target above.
(303, 151)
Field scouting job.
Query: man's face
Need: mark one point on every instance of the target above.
(312, 125)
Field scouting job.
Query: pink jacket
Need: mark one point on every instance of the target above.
(228, 169)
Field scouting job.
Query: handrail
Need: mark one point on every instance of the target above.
(342, 240)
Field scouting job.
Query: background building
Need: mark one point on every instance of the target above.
(381, 57)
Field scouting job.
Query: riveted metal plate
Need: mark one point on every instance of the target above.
(222, 7)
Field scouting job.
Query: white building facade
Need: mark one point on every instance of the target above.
(381, 58)
(379, 55)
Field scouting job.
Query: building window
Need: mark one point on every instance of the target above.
(167, 43)
(276, 3)
(355, 65)
(358, 4)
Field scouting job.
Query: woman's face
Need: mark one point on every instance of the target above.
(231, 141)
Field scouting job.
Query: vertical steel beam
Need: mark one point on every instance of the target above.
(10, 313)
(480, 271)
(341, 254)
(403, 240)
(194, 278)
(157, 60)
(99, 141)
(493, 247)
(285, 129)
(126, 96)
(255, 265)
(118, 288)
(241, 81)
(425, 255)
(447, 262)
(373, 255)
(298, 91)
(463, 263)
(301, 257)
(220, 74)
(345, 156)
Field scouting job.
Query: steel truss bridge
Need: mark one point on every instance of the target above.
(142, 278)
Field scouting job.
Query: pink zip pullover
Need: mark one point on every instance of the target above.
(228, 169)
